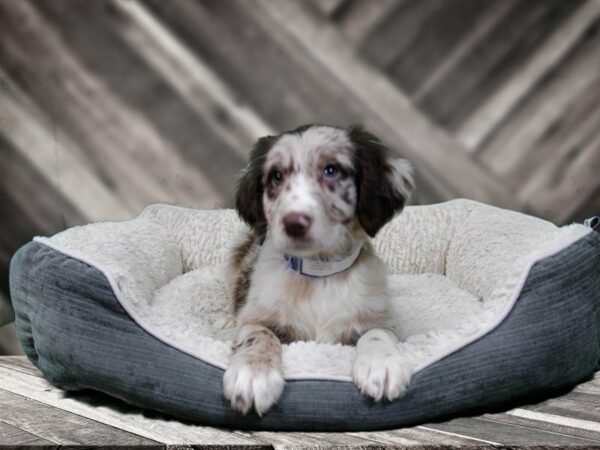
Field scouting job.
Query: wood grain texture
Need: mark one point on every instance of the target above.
(122, 142)
(64, 166)
(486, 23)
(538, 116)
(114, 413)
(130, 79)
(438, 37)
(397, 120)
(110, 105)
(27, 209)
(61, 427)
(562, 40)
(20, 364)
(397, 30)
(506, 434)
(312, 440)
(493, 60)
(16, 437)
(195, 82)
(359, 17)
(567, 407)
(423, 437)
(555, 423)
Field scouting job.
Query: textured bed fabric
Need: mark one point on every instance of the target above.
(455, 271)
(74, 329)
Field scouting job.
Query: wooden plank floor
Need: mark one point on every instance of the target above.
(36, 415)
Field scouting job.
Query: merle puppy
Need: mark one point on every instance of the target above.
(306, 270)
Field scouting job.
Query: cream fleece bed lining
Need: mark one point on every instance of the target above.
(456, 270)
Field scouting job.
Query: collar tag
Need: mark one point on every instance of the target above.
(317, 268)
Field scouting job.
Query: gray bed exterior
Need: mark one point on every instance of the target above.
(72, 327)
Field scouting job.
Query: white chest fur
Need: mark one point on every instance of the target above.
(333, 309)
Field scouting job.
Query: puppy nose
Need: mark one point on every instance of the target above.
(296, 224)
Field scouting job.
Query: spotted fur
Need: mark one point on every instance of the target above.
(349, 185)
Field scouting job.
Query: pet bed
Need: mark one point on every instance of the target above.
(494, 307)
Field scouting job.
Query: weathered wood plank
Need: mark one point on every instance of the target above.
(443, 163)
(62, 427)
(64, 167)
(312, 440)
(117, 414)
(504, 434)
(527, 126)
(359, 17)
(20, 364)
(91, 31)
(474, 131)
(8, 342)
(232, 36)
(546, 168)
(195, 82)
(41, 207)
(17, 438)
(551, 422)
(327, 100)
(27, 208)
(586, 399)
(486, 23)
(590, 387)
(414, 438)
(572, 184)
(125, 147)
(328, 7)
(397, 31)
(19, 230)
(577, 124)
(532, 427)
(588, 207)
(565, 407)
(422, 437)
(493, 60)
(438, 37)
(285, 86)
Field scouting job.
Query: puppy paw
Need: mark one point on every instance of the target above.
(381, 375)
(246, 384)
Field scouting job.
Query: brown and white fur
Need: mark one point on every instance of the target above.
(319, 191)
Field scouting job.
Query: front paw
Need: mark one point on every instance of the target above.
(252, 383)
(380, 374)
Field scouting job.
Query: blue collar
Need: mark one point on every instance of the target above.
(317, 268)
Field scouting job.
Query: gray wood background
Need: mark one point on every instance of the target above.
(107, 106)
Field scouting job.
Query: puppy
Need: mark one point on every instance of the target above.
(306, 269)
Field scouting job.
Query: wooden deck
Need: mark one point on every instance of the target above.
(37, 415)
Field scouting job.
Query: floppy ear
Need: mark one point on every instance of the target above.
(384, 181)
(249, 191)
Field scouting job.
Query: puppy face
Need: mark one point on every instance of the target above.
(320, 188)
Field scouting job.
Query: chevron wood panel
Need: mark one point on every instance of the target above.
(109, 105)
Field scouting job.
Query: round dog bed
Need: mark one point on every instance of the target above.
(494, 307)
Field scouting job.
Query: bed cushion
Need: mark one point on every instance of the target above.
(495, 307)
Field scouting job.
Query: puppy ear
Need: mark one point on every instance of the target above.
(249, 191)
(384, 181)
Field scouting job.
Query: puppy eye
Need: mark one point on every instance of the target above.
(331, 171)
(276, 177)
